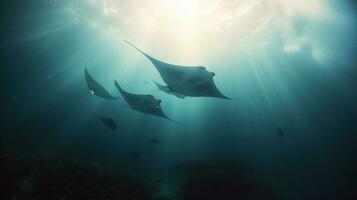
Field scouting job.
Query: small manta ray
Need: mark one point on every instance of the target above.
(96, 88)
(134, 154)
(109, 122)
(154, 141)
(168, 90)
(280, 132)
(193, 81)
(143, 103)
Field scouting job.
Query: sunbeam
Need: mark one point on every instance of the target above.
(203, 88)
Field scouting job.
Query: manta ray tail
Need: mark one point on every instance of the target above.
(179, 123)
(176, 122)
(225, 97)
(158, 84)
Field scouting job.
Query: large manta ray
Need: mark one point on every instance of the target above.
(96, 88)
(194, 81)
(143, 103)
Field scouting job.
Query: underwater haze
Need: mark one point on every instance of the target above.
(287, 132)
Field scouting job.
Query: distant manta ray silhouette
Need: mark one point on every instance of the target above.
(193, 81)
(96, 88)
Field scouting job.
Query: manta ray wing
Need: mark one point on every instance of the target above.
(170, 73)
(207, 88)
(96, 88)
(131, 99)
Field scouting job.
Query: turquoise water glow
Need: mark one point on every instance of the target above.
(285, 64)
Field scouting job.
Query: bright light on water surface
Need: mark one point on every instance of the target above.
(197, 28)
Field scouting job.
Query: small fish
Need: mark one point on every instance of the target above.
(154, 141)
(109, 122)
(280, 132)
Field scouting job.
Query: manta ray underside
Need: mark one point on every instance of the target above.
(194, 81)
(167, 90)
(143, 103)
(96, 88)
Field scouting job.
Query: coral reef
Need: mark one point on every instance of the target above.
(49, 179)
(43, 177)
(214, 180)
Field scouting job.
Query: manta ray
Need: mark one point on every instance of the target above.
(193, 81)
(142, 103)
(109, 122)
(96, 88)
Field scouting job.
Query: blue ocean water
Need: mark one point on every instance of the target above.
(289, 67)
